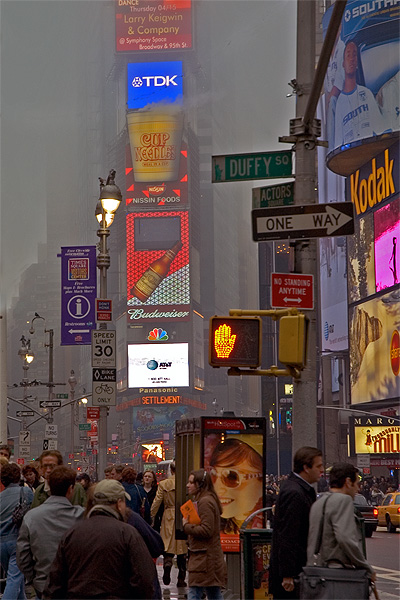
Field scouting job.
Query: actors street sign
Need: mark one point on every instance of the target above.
(295, 222)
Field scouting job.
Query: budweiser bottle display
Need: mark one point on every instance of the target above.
(155, 273)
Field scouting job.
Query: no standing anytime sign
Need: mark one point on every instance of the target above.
(292, 289)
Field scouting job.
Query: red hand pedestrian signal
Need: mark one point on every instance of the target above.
(224, 341)
(235, 342)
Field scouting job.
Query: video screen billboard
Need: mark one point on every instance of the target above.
(158, 286)
(387, 234)
(234, 455)
(374, 349)
(154, 366)
(153, 25)
(150, 194)
(361, 85)
(151, 82)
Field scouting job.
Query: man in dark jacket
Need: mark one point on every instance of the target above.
(49, 460)
(102, 557)
(292, 509)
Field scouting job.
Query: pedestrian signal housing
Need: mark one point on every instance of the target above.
(235, 342)
(293, 331)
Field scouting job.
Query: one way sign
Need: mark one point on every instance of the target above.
(295, 222)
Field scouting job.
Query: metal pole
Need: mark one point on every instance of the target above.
(305, 390)
(3, 371)
(103, 262)
(277, 430)
(51, 370)
(72, 443)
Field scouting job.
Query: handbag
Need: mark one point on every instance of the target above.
(20, 510)
(324, 583)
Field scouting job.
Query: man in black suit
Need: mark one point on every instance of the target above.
(292, 509)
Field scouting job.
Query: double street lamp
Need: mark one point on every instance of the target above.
(26, 355)
(109, 201)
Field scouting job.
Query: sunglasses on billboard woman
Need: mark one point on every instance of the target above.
(232, 478)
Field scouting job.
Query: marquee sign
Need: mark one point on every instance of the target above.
(375, 435)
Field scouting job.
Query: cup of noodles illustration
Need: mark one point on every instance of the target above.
(155, 137)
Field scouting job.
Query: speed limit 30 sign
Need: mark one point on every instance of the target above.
(103, 348)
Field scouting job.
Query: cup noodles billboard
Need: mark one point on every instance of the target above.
(158, 285)
(153, 25)
(362, 80)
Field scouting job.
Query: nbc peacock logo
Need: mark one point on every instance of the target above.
(157, 335)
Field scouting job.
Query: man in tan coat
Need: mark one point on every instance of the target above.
(166, 494)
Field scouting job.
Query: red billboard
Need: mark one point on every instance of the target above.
(158, 287)
(166, 194)
(158, 25)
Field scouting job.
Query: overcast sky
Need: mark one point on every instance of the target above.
(42, 43)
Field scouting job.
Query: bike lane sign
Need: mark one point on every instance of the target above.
(104, 387)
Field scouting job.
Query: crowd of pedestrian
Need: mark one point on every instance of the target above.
(69, 537)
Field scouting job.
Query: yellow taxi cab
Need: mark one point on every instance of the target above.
(389, 512)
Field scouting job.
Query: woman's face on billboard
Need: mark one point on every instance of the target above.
(239, 488)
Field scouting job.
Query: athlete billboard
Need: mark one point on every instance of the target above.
(361, 85)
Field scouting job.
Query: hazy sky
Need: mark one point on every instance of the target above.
(42, 45)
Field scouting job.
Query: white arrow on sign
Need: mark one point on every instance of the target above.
(78, 330)
(292, 299)
(329, 219)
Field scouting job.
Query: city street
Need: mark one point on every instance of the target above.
(383, 554)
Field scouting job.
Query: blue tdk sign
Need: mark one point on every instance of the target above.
(149, 83)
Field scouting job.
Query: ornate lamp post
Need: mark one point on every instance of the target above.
(109, 201)
(26, 355)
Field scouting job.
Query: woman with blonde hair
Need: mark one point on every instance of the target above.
(206, 565)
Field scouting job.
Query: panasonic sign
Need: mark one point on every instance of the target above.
(150, 83)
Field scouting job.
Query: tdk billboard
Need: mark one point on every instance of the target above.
(150, 83)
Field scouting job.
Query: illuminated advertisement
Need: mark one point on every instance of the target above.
(374, 349)
(148, 83)
(233, 454)
(373, 252)
(167, 194)
(362, 81)
(374, 435)
(158, 266)
(158, 365)
(387, 234)
(153, 25)
(155, 138)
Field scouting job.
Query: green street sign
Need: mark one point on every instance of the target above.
(258, 165)
(85, 426)
(62, 396)
(274, 195)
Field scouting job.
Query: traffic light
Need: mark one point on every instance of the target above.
(235, 342)
(293, 332)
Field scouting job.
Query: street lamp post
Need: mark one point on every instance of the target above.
(109, 201)
(27, 356)
(72, 383)
(51, 383)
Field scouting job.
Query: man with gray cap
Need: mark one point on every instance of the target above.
(102, 557)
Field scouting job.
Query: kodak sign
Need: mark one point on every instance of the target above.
(367, 191)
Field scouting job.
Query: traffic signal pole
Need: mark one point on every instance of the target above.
(304, 131)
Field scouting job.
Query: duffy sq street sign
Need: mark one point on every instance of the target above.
(296, 222)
